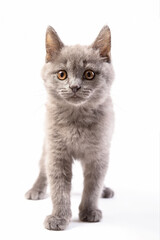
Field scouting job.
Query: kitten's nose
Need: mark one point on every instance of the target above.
(75, 88)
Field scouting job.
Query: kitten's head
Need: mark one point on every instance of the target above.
(78, 74)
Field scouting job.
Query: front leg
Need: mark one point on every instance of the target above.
(94, 173)
(59, 176)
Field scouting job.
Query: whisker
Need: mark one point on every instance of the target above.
(88, 89)
(86, 92)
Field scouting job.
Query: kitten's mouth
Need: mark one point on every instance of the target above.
(75, 96)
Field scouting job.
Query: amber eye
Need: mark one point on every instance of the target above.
(89, 74)
(62, 75)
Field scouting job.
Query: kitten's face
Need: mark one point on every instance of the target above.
(78, 75)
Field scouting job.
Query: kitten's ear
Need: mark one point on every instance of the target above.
(103, 43)
(53, 44)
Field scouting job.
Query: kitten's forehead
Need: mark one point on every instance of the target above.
(78, 55)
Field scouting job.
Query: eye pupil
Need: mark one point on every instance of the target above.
(62, 74)
(88, 74)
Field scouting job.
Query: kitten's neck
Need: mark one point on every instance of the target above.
(79, 115)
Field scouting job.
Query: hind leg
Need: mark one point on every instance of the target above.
(38, 191)
(107, 193)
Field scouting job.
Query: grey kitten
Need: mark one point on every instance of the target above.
(79, 125)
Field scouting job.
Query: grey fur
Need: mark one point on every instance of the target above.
(78, 126)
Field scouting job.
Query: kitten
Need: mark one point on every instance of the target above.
(79, 125)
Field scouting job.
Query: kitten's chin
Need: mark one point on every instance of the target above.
(75, 100)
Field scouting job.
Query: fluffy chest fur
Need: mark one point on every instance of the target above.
(81, 130)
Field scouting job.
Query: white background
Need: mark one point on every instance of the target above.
(134, 163)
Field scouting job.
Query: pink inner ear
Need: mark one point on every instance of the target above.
(53, 44)
(103, 43)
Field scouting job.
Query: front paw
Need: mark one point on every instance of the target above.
(55, 223)
(90, 215)
(34, 194)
